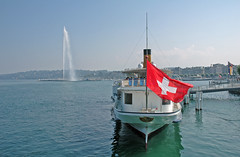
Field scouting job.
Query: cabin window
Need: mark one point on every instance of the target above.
(128, 98)
(165, 102)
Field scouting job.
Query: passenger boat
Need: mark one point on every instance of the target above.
(140, 107)
(130, 106)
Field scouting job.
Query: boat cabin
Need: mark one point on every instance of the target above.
(131, 95)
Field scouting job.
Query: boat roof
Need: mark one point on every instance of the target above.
(143, 88)
(143, 70)
(138, 70)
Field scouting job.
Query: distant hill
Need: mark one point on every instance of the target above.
(57, 74)
(189, 73)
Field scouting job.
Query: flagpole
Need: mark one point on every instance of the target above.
(146, 87)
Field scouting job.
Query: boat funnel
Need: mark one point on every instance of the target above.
(146, 52)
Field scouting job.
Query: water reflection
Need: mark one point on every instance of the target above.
(116, 136)
(167, 142)
(198, 116)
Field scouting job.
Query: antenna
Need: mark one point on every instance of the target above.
(146, 30)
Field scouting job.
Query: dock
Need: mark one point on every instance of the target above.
(199, 90)
(215, 88)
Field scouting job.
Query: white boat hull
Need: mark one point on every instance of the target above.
(147, 123)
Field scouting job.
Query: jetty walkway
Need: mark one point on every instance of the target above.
(199, 90)
(215, 88)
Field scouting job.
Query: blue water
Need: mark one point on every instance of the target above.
(41, 118)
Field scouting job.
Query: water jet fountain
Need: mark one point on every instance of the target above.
(68, 68)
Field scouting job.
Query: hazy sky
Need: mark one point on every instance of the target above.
(110, 34)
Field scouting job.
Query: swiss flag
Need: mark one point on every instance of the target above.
(165, 87)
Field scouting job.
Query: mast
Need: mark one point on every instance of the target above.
(146, 60)
(146, 51)
(146, 30)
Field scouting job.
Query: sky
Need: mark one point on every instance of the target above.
(110, 34)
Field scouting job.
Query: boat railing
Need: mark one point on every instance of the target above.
(134, 82)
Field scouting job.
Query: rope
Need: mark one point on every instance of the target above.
(134, 50)
(160, 50)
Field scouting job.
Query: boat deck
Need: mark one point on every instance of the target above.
(134, 82)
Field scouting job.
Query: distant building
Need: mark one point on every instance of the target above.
(212, 70)
(219, 69)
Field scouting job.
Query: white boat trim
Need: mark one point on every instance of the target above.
(148, 114)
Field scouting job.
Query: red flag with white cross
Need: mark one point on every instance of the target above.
(165, 87)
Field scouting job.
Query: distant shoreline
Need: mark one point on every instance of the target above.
(56, 75)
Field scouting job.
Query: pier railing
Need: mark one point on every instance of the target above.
(215, 88)
(136, 82)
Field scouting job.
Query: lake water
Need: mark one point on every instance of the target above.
(47, 118)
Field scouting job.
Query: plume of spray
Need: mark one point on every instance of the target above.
(68, 68)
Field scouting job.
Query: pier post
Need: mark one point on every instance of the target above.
(186, 98)
(191, 96)
(199, 100)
